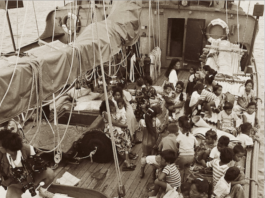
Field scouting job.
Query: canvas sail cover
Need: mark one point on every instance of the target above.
(54, 66)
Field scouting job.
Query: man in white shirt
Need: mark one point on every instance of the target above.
(12, 155)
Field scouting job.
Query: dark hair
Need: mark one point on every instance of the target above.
(194, 69)
(238, 149)
(228, 106)
(209, 79)
(185, 187)
(140, 82)
(206, 67)
(121, 100)
(250, 81)
(148, 79)
(103, 106)
(117, 89)
(181, 97)
(171, 66)
(169, 156)
(185, 124)
(198, 86)
(122, 83)
(216, 87)
(202, 185)
(150, 114)
(169, 85)
(11, 141)
(232, 173)
(226, 155)
(172, 128)
(224, 141)
(245, 127)
(212, 134)
(252, 104)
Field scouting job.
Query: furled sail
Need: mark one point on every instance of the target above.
(51, 68)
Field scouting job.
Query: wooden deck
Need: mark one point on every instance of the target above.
(101, 177)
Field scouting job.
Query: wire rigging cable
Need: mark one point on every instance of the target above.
(3, 31)
(14, 71)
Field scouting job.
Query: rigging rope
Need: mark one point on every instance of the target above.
(14, 71)
(3, 31)
(107, 104)
(17, 23)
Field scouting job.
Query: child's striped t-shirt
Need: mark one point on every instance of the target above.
(218, 171)
(172, 175)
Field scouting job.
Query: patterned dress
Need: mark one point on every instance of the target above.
(122, 140)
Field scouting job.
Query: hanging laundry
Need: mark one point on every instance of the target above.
(133, 60)
(155, 67)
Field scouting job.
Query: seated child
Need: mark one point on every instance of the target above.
(197, 188)
(167, 143)
(169, 178)
(223, 186)
(178, 99)
(244, 135)
(217, 105)
(239, 153)
(203, 151)
(246, 95)
(251, 116)
(222, 143)
(227, 119)
(147, 89)
(221, 166)
(121, 111)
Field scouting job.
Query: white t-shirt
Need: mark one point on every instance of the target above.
(222, 188)
(250, 118)
(186, 144)
(227, 120)
(173, 77)
(215, 154)
(194, 98)
(17, 162)
(121, 113)
(245, 140)
(191, 78)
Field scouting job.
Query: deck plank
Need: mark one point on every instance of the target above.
(134, 186)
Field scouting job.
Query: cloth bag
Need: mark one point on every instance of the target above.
(172, 194)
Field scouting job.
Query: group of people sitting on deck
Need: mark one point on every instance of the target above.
(171, 148)
(14, 153)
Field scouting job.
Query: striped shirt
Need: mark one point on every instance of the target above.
(172, 175)
(207, 96)
(218, 171)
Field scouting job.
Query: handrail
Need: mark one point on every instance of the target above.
(255, 153)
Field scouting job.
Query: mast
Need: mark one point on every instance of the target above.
(11, 32)
(258, 11)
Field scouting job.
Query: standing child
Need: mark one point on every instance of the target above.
(170, 177)
(171, 72)
(191, 82)
(221, 166)
(222, 143)
(251, 116)
(203, 151)
(186, 143)
(167, 143)
(227, 119)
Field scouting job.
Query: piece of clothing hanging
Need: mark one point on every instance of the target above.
(133, 60)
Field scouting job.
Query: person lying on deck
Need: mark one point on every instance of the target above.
(13, 154)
